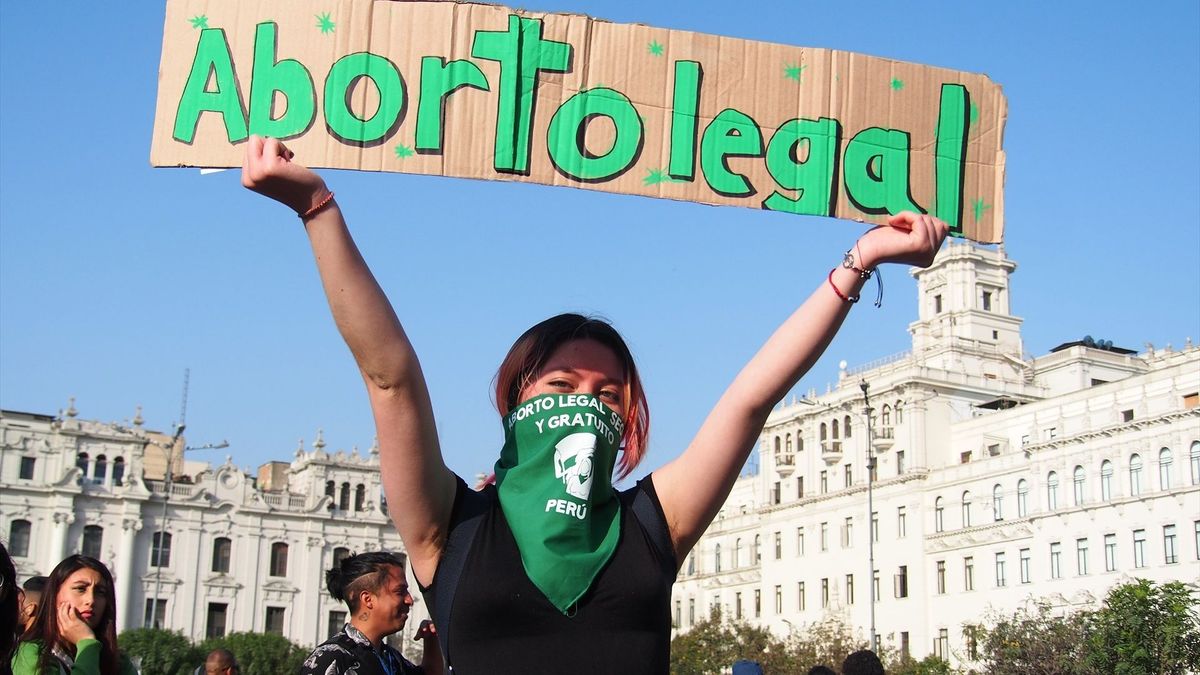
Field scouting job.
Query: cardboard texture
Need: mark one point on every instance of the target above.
(483, 91)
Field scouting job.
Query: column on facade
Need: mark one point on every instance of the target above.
(311, 593)
(126, 574)
(58, 538)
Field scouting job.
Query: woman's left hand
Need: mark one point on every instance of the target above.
(908, 238)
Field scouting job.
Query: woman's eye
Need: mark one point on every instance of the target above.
(610, 396)
(560, 384)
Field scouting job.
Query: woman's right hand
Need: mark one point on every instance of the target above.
(71, 625)
(268, 169)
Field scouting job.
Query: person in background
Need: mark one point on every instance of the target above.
(862, 662)
(220, 662)
(821, 669)
(10, 609)
(33, 588)
(75, 628)
(375, 589)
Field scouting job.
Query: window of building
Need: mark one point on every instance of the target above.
(899, 462)
(1001, 578)
(987, 301)
(279, 559)
(875, 526)
(1135, 475)
(824, 536)
(757, 603)
(875, 584)
(737, 553)
(737, 605)
(1106, 474)
(800, 596)
(337, 621)
(691, 563)
(1197, 526)
(1079, 485)
(1055, 560)
(756, 552)
(901, 582)
(81, 463)
(799, 487)
(848, 533)
(330, 489)
(1022, 498)
(160, 549)
(222, 554)
(1110, 553)
(691, 611)
(966, 509)
(964, 457)
(155, 615)
(18, 538)
(824, 482)
(901, 522)
(941, 577)
(778, 599)
(825, 592)
(1164, 469)
(941, 646)
(1139, 548)
(1191, 400)
(937, 304)
(939, 515)
(119, 471)
(100, 470)
(846, 427)
(1081, 556)
(776, 493)
(1195, 461)
(344, 497)
(997, 502)
(274, 620)
(799, 541)
(93, 537)
(969, 573)
(1052, 491)
(849, 589)
(1170, 545)
(905, 647)
(360, 497)
(778, 545)
(1025, 578)
(214, 626)
(849, 474)
(26, 472)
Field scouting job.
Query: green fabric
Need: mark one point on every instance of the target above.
(87, 660)
(554, 483)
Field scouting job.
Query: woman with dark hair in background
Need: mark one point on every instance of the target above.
(75, 630)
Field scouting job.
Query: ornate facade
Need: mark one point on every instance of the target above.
(999, 478)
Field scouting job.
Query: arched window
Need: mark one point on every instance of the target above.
(1135, 475)
(1165, 459)
(1022, 498)
(360, 496)
(885, 416)
(118, 471)
(756, 552)
(777, 442)
(18, 538)
(339, 554)
(737, 553)
(787, 445)
(81, 462)
(93, 538)
(997, 502)
(279, 556)
(100, 472)
(1079, 485)
(800, 446)
(691, 566)
(1106, 474)
(344, 497)
(966, 508)
(222, 554)
(846, 427)
(835, 429)
(160, 549)
(939, 515)
(330, 489)
(717, 558)
(824, 434)
(1052, 491)
(1195, 457)
(899, 413)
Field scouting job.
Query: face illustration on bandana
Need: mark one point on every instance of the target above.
(554, 482)
(573, 463)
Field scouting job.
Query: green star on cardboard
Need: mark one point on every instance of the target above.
(200, 21)
(325, 23)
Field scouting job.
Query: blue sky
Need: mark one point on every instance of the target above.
(115, 277)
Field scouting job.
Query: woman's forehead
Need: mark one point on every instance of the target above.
(586, 354)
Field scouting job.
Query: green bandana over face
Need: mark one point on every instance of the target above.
(554, 479)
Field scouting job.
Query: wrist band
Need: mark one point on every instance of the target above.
(864, 274)
(845, 298)
(848, 263)
(317, 209)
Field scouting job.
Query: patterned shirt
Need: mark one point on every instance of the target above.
(350, 653)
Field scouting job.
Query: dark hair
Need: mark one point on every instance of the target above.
(35, 584)
(862, 662)
(9, 607)
(45, 624)
(529, 354)
(362, 572)
(821, 669)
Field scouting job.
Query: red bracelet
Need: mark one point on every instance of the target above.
(850, 299)
(316, 209)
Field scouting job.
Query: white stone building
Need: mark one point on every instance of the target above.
(237, 552)
(1000, 478)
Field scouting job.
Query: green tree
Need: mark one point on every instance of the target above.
(930, 665)
(158, 651)
(712, 646)
(826, 642)
(1035, 641)
(1149, 628)
(260, 653)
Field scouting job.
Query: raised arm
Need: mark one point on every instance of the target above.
(419, 487)
(692, 487)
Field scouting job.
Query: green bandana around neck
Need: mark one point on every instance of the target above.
(554, 479)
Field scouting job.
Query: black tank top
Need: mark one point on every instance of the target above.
(503, 624)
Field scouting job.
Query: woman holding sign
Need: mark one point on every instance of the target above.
(552, 570)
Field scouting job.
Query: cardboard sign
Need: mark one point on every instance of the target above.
(482, 91)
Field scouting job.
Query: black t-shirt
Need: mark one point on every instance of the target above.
(503, 624)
